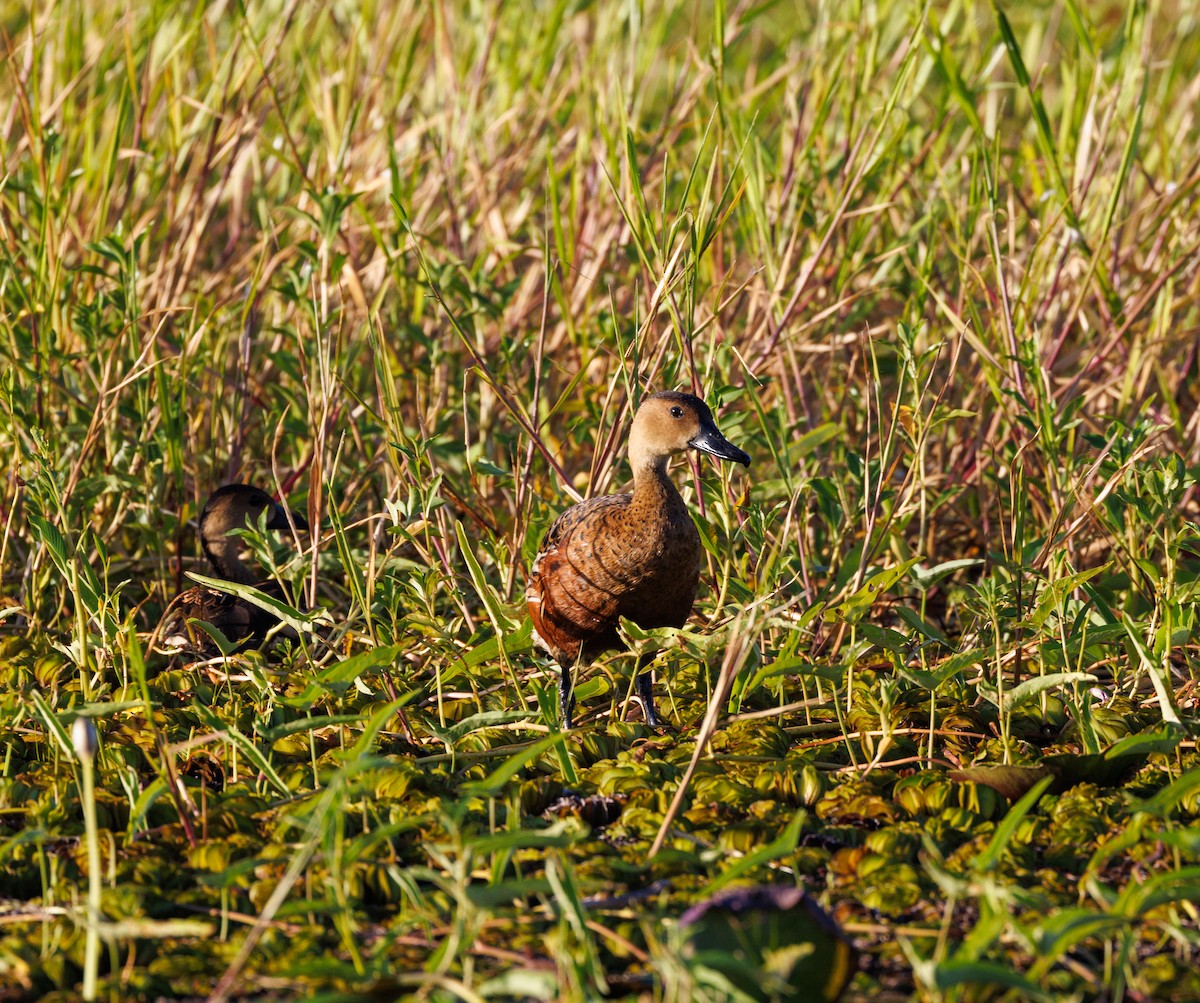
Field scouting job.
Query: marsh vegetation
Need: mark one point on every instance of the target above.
(410, 267)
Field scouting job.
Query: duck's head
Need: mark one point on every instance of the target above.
(671, 422)
(236, 506)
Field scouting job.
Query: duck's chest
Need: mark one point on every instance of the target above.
(662, 552)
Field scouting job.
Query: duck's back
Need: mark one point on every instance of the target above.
(237, 619)
(600, 562)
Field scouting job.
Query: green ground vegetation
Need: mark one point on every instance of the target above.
(411, 265)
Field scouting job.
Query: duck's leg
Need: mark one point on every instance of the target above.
(644, 688)
(566, 696)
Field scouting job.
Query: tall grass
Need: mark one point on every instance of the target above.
(413, 266)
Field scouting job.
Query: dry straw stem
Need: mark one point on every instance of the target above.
(739, 646)
(414, 264)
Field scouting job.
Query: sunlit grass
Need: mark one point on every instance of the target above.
(412, 266)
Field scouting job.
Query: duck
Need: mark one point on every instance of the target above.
(635, 555)
(232, 507)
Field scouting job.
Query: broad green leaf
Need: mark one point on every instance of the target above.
(502, 776)
(784, 844)
(289, 615)
(851, 609)
(335, 679)
(1024, 692)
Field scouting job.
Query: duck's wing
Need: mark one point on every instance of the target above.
(237, 619)
(593, 512)
(574, 591)
(225, 612)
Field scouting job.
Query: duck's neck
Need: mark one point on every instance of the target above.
(224, 554)
(655, 497)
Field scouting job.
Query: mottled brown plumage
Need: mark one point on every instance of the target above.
(628, 555)
(232, 507)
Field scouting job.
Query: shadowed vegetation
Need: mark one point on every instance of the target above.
(411, 267)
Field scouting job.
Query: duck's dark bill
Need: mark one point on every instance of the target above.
(279, 519)
(712, 441)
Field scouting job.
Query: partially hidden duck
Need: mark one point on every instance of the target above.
(634, 555)
(234, 506)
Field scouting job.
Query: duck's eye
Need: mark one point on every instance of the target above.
(676, 411)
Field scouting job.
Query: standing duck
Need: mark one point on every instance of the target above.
(235, 506)
(627, 555)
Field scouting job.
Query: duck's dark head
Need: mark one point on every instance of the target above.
(671, 422)
(236, 506)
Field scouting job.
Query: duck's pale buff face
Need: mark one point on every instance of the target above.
(669, 423)
(662, 428)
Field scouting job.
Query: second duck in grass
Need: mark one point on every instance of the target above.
(627, 555)
(233, 507)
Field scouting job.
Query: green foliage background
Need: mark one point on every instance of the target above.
(412, 265)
